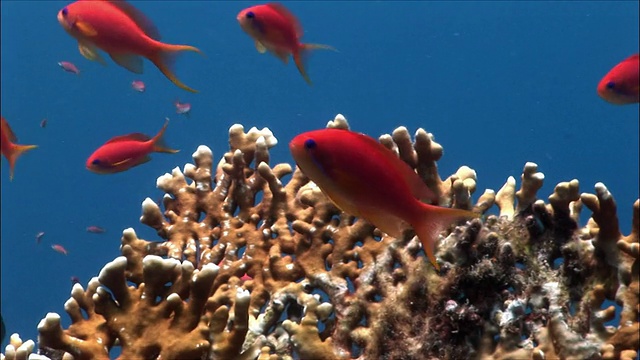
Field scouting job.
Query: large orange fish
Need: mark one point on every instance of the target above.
(367, 180)
(123, 32)
(10, 149)
(274, 28)
(621, 85)
(124, 152)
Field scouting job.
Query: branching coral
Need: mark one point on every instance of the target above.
(252, 267)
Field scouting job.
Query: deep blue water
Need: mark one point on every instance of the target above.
(498, 83)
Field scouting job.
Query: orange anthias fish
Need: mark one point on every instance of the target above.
(124, 152)
(621, 85)
(123, 32)
(10, 149)
(367, 180)
(274, 28)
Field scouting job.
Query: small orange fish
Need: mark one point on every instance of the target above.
(69, 67)
(10, 149)
(59, 248)
(276, 29)
(122, 31)
(96, 229)
(182, 108)
(622, 83)
(367, 180)
(124, 152)
(138, 85)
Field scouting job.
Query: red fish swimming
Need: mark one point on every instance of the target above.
(124, 152)
(621, 85)
(367, 180)
(69, 67)
(182, 108)
(10, 149)
(96, 229)
(120, 30)
(59, 248)
(274, 28)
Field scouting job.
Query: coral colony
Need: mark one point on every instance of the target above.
(253, 268)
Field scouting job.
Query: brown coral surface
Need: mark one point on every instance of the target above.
(253, 267)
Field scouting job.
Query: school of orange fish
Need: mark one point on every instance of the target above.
(338, 161)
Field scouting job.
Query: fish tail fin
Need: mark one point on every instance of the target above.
(432, 220)
(158, 141)
(14, 154)
(300, 58)
(165, 60)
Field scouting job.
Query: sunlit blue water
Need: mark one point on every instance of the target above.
(498, 83)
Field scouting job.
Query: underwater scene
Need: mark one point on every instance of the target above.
(320, 180)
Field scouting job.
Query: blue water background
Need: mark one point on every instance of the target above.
(497, 83)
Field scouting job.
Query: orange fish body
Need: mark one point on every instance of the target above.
(124, 152)
(365, 179)
(277, 30)
(621, 85)
(123, 32)
(10, 149)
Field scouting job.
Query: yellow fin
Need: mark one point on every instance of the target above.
(260, 47)
(85, 28)
(90, 52)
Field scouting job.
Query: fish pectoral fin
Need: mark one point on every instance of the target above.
(130, 62)
(119, 163)
(260, 47)
(85, 28)
(131, 162)
(90, 51)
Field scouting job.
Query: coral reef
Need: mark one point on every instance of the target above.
(253, 267)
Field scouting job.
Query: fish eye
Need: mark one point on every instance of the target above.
(310, 144)
(95, 162)
(611, 85)
(250, 15)
(65, 12)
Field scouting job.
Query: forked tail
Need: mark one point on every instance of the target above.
(165, 60)
(14, 153)
(432, 221)
(300, 58)
(158, 141)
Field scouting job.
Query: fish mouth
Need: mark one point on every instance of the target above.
(64, 22)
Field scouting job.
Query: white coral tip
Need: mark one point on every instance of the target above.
(201, 151)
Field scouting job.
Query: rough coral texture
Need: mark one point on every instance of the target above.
(254, 267)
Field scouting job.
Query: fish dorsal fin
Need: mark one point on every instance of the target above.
(130, 137)
(138, 17)
(6, 128)
(634, 57)
(280, 9)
